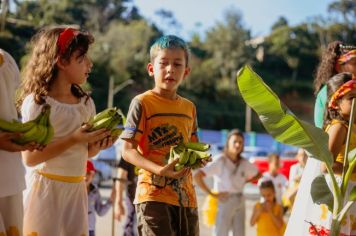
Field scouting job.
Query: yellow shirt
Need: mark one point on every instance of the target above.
(265, 224)
(157, 123)
(340, 156)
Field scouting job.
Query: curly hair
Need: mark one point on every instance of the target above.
(333, 85)
(41, 68)
(326, 68)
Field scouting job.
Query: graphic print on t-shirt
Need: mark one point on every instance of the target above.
(164, 135)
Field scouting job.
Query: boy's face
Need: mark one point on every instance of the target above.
(168, 69)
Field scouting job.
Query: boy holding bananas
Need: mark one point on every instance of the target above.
(158, 119)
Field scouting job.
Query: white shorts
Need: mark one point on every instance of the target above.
(11, 215)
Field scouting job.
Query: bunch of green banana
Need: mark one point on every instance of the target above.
(110, 118)
(38, 130)
(189, 154)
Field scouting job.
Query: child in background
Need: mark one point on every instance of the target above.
(231, 172)
(57, 66)
(96, 204)
(12, 171)
(268, 215)
(126, 182)
(279, 180)
(341, 90)
(165, 199)
(295, 175)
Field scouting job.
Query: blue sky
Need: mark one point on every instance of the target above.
(258, 15)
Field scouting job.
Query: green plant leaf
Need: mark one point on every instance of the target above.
(278, 120)
(351, 155)
(320, 192)
(352, 196)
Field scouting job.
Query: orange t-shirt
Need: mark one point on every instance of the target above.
(157, 123)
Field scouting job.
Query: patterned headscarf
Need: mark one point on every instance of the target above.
(343, 90)
(345, 58)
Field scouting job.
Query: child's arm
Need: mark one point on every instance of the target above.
(337, 136)
(7, 144)
(60, 145)
(255, 214)
(276, 218)
(119, 189)
(130, 154)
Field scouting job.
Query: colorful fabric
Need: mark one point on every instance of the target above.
(344, 89)
(11, 215)
(265, 224)
(90, 166)
(210, 210)
(56, 208)
(344, 58)
(157, 123)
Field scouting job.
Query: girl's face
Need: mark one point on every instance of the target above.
(345, 104)
(235, 145)
(267, 194)
(78, 68)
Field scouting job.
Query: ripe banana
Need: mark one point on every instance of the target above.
(198, 146)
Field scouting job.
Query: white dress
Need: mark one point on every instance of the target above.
(12, 172)
(55, 207)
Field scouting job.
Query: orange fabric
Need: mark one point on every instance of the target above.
(265, 224)
(163, 123)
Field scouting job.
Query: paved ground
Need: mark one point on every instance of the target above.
(104, 224)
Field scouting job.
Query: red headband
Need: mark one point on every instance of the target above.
(344, 89)
(65, 38)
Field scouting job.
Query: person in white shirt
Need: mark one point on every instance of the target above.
(231, 172)
(12, 171)
(280, 182)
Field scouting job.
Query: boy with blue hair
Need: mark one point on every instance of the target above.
(165, 199)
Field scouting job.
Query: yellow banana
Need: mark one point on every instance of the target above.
(198, 146)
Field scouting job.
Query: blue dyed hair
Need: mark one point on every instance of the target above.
(169, 42)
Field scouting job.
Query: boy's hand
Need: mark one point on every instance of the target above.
(119, 210)
(7, 144)
(168, 171)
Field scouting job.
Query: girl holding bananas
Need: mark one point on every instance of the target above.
(231, 172)
(56, 67)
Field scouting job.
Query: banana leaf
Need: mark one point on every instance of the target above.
(321, 193)
(278, 120)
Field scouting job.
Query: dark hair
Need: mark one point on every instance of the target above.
(273, 156)
(332, 86)
(233, 132)
(326, 68)
(267, 184)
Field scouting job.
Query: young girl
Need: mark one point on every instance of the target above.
(57, 200)
(231, 172)
(269, 214)
(337, 58)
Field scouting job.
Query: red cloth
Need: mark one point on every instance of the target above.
(90, 166)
